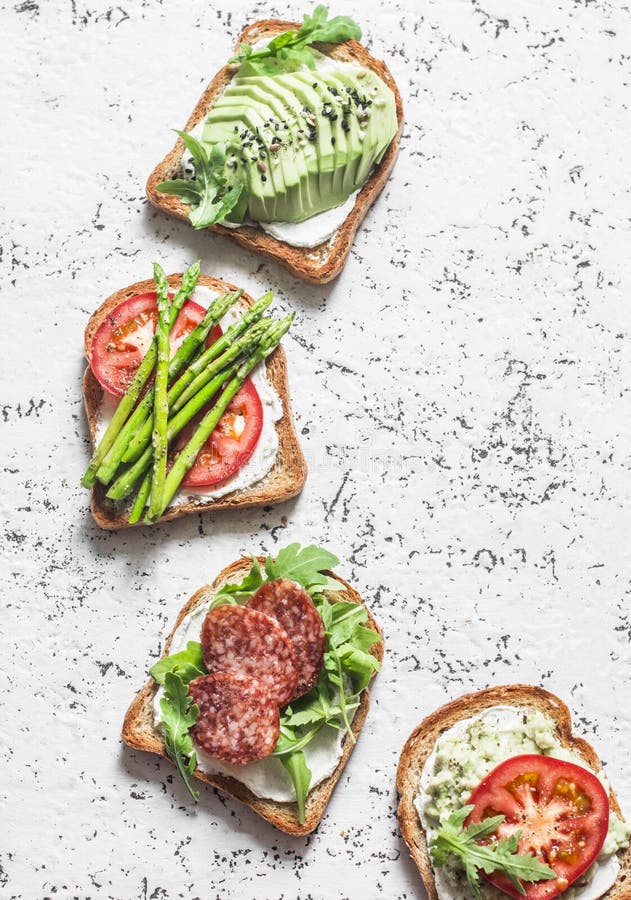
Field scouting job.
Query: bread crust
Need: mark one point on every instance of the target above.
(317, 265)
(139, 732)
(288, 474)
(421, 742)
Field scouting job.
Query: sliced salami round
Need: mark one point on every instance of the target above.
(238, 722)
(292, 606)
(246, 642)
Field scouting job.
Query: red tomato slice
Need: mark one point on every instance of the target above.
(561, 809)
(232, 442)
(123, 338)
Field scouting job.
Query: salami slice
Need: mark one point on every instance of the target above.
(246, 642)
(238, 722)
(292, 606)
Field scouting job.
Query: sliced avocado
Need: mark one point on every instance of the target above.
(304, 140)
(286, 155)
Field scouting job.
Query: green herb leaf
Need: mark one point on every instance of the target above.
(187, 664)
(300, 773)
(209, 198)
(316, 707)
(244, 590)
(290, 50)
(320, 28)
(179, 713)
(359, 664)
(453, 839)
(304, 566)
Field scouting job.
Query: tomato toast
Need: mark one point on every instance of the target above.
(252, 456)
(235, 756)
(430, 819)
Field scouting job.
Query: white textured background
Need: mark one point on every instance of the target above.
(462, 393)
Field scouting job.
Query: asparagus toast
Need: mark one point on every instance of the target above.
(219, 420)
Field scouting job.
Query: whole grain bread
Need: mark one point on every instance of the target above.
(320, 264)
(140, 733)
(283, 481)
(421, 742)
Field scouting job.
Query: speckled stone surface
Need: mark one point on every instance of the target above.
(462, 393)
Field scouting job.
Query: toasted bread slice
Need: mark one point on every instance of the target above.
(283, 481)
(421, 742)
(320, 264)
(140, 733)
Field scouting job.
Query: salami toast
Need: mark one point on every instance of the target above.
(317, 265)
(421, 742)
(286, 477)
(140, 733)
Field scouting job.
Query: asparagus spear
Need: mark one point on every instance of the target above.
(191, 343)
(141, 500)
(160, 403)
(188, 455)
(244, 345)
(125, 483)
(192, 380)
(124, 408)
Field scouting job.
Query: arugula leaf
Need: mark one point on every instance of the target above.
(502, 856)
(316, 707)
(243, 591)
(289, 50)
(300, 773)
(207, 194)
(359, 664)
(349, 642)
(179, 713)
(187, 664)
(304, 566)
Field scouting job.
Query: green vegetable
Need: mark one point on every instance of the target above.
(306, 567)
(453, 839)
(300, 775)
(199, 364)
(288, 51)
(160, 403)
(138, 509)
(141, 415)
(125, 483)
(179, 713)
(188, 455)
(208, 194)
(180, 394)
(126, 405)
(187, 664)
(243, 591)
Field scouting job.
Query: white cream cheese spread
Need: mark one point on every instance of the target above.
(464, 754)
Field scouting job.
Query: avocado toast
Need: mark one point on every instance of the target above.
(299, 151)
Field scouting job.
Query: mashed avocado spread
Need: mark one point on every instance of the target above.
(466, 753)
